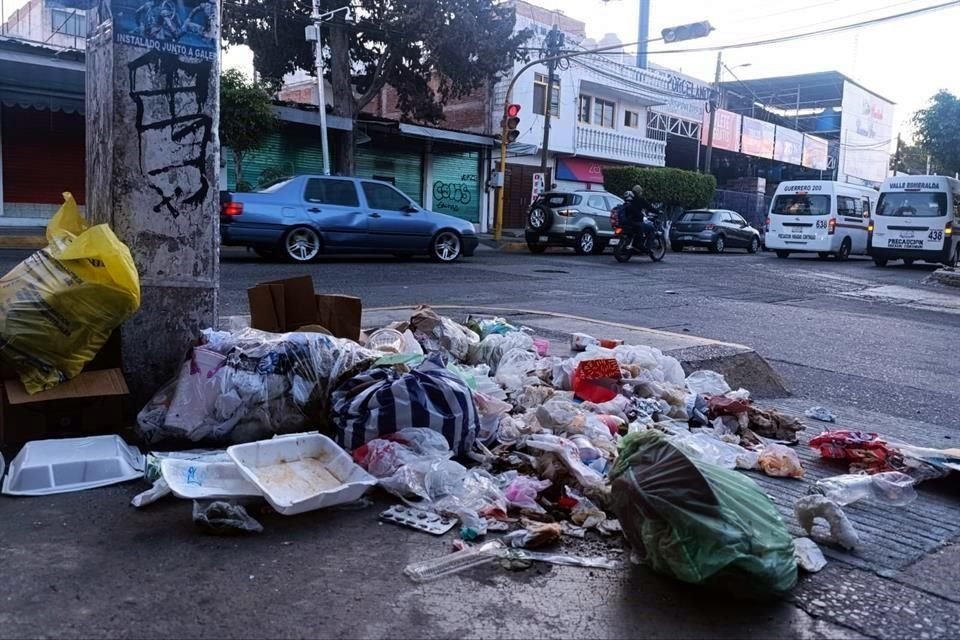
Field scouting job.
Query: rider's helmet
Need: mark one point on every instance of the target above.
(637, 191)
(628, 195)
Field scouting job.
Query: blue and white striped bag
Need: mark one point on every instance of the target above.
(383, 401)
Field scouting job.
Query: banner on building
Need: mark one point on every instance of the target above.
(183, 28)
(866, 133)
(815, 153)
(581, 170)
(788, 146)
(757, 138)
(726, 130)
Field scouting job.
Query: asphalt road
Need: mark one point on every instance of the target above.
(87, 565)
(799, 313)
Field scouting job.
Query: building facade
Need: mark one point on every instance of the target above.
(46, 22)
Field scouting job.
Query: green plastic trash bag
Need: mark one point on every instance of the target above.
(698, 522)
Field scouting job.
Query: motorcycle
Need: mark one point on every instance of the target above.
(631, 241)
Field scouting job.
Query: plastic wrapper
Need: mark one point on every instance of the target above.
(698, 522)
(821, 414)
(522, 492)
(484, 327)
(649, 358)
(384, 456)
(224, 519)
(708, 383)
(569, 455)
(60, 305)
(890, 487)
(383, 400)
(841, 533)
(534, 535)
(268, 384)
(584, 513)
(516, 368)
(561, 415)
(864, 451)
(587, 562)
(454, 563)
(773, 424)
(780, 461)
(492, 411)
(437, 333)
(708, 448)
(808, 554)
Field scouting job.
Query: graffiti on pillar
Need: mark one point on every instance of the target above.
(178, 27)
(174, 130)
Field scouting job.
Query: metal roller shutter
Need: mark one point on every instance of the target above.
(285, 153)
(403, 169)
(456, 184)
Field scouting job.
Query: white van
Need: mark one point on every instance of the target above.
(822, 217)
(918, 218)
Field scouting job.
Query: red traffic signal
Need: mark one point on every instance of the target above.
(509, 124)
(513, 110)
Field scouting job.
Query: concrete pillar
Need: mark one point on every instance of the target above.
(153, 168)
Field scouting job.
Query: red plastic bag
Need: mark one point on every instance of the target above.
(863, 450)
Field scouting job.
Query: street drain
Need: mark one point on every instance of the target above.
(550, 271)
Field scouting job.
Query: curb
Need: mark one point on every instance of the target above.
(22, 242)
(506, 246)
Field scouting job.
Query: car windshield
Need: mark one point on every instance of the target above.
(801, 204)
(276, 186)
(912, 205)
(697, 216)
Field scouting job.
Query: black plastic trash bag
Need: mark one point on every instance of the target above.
(700, 523)
(383, 401)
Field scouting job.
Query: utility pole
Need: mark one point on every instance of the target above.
(153, 175)
(896, 157)
(714, 105)
(643, 33)
(554, 43)
(313, 35)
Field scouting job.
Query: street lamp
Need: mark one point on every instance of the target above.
(708, 156)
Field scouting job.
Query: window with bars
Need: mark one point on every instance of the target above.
(540, 96)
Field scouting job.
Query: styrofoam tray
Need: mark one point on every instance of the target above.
(46, 467)
(198, 480)
(294, 472)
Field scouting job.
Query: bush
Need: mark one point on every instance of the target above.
(671, 187)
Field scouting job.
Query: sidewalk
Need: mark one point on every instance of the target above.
(22, 237)
(511, 241)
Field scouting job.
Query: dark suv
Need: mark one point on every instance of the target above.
(716, 229)
(578, 219)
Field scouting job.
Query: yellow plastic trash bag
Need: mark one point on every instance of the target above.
(59, 306)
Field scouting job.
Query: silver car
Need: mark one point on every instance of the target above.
(578, 219)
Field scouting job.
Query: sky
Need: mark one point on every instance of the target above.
(905, 61)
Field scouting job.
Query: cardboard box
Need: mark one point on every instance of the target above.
(288, 305)
(93, 403)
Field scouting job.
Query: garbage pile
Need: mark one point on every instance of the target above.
(477, 428)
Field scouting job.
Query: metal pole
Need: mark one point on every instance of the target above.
(644, 32)
(896, 157)
(321, 91)
(551, 74)
(498, 224)
(708, 156)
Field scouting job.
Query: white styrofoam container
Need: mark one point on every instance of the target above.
(45, 467)
(292, 486)
(199, 480)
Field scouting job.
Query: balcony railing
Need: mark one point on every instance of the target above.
(610, 145)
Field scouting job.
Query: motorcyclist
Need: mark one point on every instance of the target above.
(636, 209)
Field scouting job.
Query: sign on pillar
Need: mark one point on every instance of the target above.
(539, 186)
(153, 150)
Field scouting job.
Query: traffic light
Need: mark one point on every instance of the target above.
(686, 32)
(509, 124)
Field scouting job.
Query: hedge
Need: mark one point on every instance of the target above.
(671, 187)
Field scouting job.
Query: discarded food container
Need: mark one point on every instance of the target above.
(387, 341)
(607, 343)
(199, 480)
(580, 341)
(301, 472)
(46, 467)
(542, 345)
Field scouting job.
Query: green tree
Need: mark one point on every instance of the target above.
(938, 131)
(246, 117)
(913, 160)
(670, 187)
(430, 51)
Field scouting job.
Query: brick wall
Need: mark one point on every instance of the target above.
(469, 113)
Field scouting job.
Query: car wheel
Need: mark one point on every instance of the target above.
(880, 262)
(719, 244)
(783, 254)
(536, 247)
(540, 218)
(754, 245)
(676, 247)
(301, 244)
(446, 246)
(845, 248)
(586, 242)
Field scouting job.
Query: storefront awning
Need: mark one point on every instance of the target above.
(312, 117)
(36, 77)
(444, 134)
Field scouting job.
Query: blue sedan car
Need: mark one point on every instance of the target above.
(302, 217)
